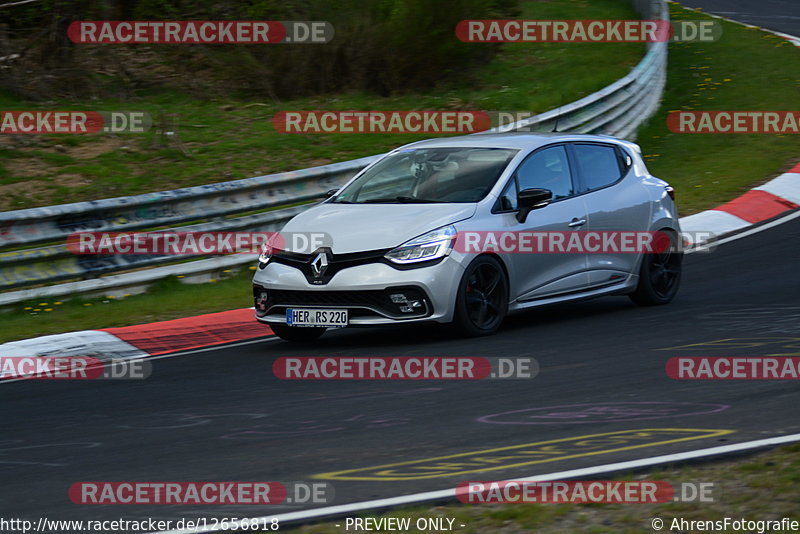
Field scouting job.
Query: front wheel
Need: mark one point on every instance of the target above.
(482, 300)
(299, 334)
(659, 275)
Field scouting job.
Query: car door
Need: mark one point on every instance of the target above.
(541, 274)
(615, 200)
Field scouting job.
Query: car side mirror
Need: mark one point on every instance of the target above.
(532, 199)
(330, 192)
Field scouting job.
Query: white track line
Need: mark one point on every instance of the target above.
(791, 38)
(448, 494)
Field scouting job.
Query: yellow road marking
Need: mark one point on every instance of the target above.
(525, 454)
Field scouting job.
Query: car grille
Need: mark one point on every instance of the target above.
(336, 262)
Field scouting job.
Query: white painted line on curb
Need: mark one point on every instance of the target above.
(719, 222)
(450, 493)
(776, 222)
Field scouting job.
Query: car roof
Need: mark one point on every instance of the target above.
(514, 140)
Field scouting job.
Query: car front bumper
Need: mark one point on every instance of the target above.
(365, 290)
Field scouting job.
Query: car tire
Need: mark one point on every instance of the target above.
(659, 275)
(297, 334)
(482, 299)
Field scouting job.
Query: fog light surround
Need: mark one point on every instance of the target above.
(260, 300)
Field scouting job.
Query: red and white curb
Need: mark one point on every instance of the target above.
(757, 205)
(189, 333)
(145, 340)
(87, 343)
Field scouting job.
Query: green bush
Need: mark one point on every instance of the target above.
(380, 46)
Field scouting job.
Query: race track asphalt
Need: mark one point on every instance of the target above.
(778, 15)
(222, 415)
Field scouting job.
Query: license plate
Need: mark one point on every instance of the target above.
(330, 318)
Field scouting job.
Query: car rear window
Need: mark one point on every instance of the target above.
(598, 165)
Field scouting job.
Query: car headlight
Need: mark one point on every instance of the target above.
(435, 244)
(265, 255)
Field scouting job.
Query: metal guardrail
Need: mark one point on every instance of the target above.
(617, 109)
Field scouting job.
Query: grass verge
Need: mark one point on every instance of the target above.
(763, 486)
(747, 69)
(165, 300)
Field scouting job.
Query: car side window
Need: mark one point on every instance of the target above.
(508, 198)
(598, 165)
(547, 169)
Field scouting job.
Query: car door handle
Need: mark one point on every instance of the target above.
(577, 222)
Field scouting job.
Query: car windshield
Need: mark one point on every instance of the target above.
(459, 174)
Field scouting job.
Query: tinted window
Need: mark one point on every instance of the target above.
(547, 169)
(508, 198)
(598, 165)
(457, 174)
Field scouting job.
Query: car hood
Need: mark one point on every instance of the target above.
(362, 227)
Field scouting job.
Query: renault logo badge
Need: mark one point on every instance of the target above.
(319, 264)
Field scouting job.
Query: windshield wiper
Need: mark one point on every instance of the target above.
(402, 200)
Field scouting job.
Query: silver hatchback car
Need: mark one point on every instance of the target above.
(442, 231)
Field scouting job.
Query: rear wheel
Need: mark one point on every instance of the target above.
(482, 300)
(659, 275)
(299, 334)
